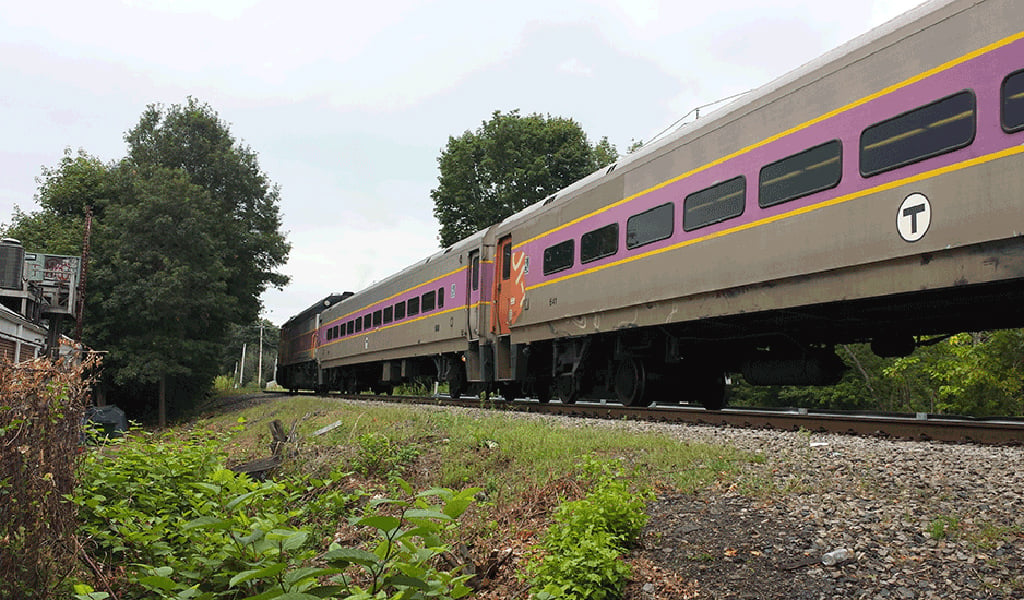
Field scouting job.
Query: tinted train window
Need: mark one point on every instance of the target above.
(351, 327)
(400, 311)
(476, 273)
(559, 257)
(376, 318)
(650, 226)
(367, 322)
(715, 204)
(931, 130)
(389, 315)
(506, 260)
(414, 306)
(329, 334)
(440, 297)
(428, 301)
(599, 243)
(1012, 99)
(819, 168)
(359, 324)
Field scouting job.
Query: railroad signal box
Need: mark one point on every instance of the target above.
(38, 285)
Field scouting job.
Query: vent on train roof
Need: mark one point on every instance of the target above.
(550, 199)
(611, 168)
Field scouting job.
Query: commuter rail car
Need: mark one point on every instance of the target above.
(875, 194)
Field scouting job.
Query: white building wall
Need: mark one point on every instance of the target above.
(20, 339)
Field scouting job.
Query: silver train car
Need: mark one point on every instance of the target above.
(873, 195)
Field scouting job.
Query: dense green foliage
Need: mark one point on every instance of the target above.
(979, 374)
(186, 237)
(185, 527)
(507, 164)
(192, 138)
(582, 549)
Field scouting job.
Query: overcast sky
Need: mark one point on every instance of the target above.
(348, 104)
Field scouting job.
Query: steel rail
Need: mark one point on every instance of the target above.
(902, 426)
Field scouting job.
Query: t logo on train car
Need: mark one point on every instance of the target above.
(914, 217)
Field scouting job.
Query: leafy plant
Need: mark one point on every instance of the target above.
(402, 564)
(583, 546)
(379, 456)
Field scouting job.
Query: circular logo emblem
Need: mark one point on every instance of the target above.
(914, 217)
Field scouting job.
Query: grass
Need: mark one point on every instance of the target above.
(506, 455)
(943, 527)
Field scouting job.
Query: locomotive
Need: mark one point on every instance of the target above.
(871, 195)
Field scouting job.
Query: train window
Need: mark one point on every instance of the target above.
(334, 332)
(715, 204)
(650, 226)
(351, 327)
(429, 299)
(476, 272)
(400, 311)
(931, 130)
(559, 257)
(389, 315)
(506, 260)
(376, 318)
(599, 243)
(359, 324)
(414, 306)
(440, 297)
(367, 322)
(329, 334)
(1012, 99)
(813, 170)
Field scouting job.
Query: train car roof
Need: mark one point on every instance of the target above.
(319, 307)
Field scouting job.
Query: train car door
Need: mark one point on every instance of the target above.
(509, 287)
(473, 295)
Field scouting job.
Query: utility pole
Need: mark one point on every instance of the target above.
(80, 300)
(241, 368)
(259, 363)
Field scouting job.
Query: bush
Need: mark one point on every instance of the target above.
(583, 546)
(41, 410)
(180, 525)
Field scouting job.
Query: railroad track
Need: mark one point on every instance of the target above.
(919, 426)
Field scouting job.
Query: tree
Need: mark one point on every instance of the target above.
(79, 181)
(161, 282)
(194, 139)
(510, 162)
(186, 236)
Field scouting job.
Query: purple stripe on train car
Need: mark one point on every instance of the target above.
(456, 279)
(983, 75)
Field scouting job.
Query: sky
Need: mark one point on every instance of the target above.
(349, 104)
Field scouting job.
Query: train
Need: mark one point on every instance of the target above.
(873, 195)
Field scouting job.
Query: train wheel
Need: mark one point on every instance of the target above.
(509, 391)
(709, 389)
(542, 389)
(568, 391)
(455, 376)
(631, 382)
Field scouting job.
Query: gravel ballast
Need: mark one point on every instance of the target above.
(922, 519)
